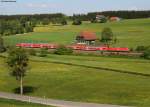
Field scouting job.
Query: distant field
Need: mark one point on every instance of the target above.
(130, 33)
(79, 83)
(13, 103)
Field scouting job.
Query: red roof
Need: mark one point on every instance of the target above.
(114, 18)
(88, 35)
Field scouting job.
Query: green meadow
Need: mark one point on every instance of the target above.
(130, 33)
(74, 78)
(115, 63)
(108, 80)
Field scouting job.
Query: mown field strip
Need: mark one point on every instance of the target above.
(99, 68)
(35, 59)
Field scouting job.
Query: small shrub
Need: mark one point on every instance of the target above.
(32, 52)
(77, 22)
(93, 20)
(141, 48)
(103, 20)
(62, 50)
(45, 21)
(131, 49)
(64, 22)
(43, 52)
(147, 53)
(2, 48)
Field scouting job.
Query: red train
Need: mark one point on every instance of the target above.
(36, 45)
(74, 47)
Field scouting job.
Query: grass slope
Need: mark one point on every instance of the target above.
(130, 33)
(14, 103)
(60, 81)
(125, 64)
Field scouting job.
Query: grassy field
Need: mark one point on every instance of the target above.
(111, 80)
(79, 83)
(130, 33)
(124, 64)
(13, 103)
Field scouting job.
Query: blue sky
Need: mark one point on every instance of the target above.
(71, 6)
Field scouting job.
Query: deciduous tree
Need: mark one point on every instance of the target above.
(18, 62)
(2, 48)
(107, 35)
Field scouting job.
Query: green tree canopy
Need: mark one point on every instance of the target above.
(43, 52)
(107, 35)
(62, 50)
(147, 53)
(2, 48)
(64, 22)
(77, 22)
(45, 21)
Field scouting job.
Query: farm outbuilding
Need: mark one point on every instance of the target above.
(100, 18)
(86, 37)
(114, 19)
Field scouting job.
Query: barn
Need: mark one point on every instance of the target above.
(86, 37)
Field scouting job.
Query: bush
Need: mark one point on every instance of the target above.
(2, 48)
(45, 21)
(103, 20)
(62, 50)
(64, 22)
(147, 53)
(32, 52)
(93, 20)
(43, 52)
(131, 49)
(77, 22)
(141, 48)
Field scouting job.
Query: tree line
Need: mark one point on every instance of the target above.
(89, 16)
(121, 14)
(16, 26)
(19, 24)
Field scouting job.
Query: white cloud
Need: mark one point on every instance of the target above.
(40, 5)
(133, 8)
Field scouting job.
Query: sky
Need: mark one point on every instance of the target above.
(70, 7)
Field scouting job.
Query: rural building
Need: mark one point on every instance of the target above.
(86, 37)
(114, 19)
(100, 18)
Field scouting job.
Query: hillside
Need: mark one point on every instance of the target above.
(130, 33)
(72, 80)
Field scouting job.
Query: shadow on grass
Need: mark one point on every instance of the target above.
(26, 90)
